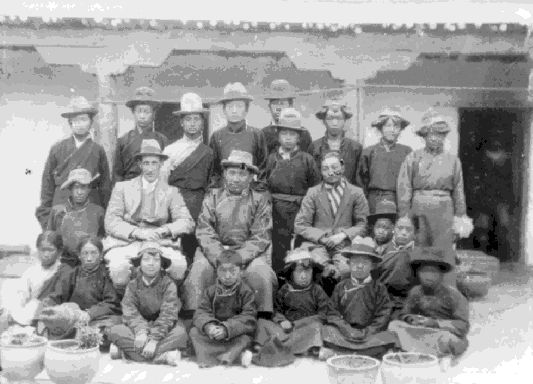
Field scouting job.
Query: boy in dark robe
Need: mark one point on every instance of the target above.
(225, 321)
(435, 316)
(77, 151)
(364, 307)
(381, 224)
(289, 173)
(380, 163)
(77, 217)
(301, 307)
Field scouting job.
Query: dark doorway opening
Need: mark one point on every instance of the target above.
(492, 153)
(169, 124)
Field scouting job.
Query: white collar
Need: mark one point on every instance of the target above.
(148, 186)
(149, 283)
(79, 143)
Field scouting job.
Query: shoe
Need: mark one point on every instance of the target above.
(172, 358)
(445, 363)
(246, 358)
(325, 353)
(114, 352)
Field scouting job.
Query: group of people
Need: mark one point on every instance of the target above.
(182, 247)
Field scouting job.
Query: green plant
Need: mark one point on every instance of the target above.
(88, 337)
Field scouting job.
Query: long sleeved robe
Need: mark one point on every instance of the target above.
(125, 166)
(242, 222)
(63, 158)
(430, 186)
(235, 310)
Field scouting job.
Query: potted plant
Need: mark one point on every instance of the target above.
(22, 354)
(74, 361)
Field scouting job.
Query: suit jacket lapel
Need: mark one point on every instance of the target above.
(160, 191)
(134, 194)
(323, 198)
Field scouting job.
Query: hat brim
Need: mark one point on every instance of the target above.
(373, 218)
(424, 130)
(321, 115)
(284, 96)
(228, 163)
(374, 257)
(245, 98)
(165, 261)
(69, 182)
(444, 266)
(298, 129)
(162, 156)
(202, 111)
(89, 111)
(379, 123)
(132, 103)
(286, 270)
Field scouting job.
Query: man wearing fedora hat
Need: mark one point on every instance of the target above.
(77, 217)
(289, 173)
(430, 184)
(144, 106)
(237, 134)
(76, 151)
(190, 162)
(239, 218)
(141, 209)
(334, 114)
(380, 163)
(281, 96)
(435, 316)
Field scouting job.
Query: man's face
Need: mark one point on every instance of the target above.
(383, 229)
(360, 266)
(228, 274)
(435, 140)
(150, 263)
(404, 231)
(235, 110)
(192, 124)
(390, 131)
(80, 124)
(79, 192)
(276, 106)
(237, 179)
(332, 170)
(288, 138)
(48, 253)
(429, 275)
(90, 256)
(334, 121)
(144, 116)
(150, 166)
(302, 275)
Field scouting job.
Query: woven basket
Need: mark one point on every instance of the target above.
(478, 261)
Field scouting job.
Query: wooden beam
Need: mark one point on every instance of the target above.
(107, 117)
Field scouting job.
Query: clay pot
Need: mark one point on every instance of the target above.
(70, 366)
(474, 284)
(22, 362)
(410, 368)
(352, 369)
(478, 261)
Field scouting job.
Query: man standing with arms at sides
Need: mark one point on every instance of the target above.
(144, 107)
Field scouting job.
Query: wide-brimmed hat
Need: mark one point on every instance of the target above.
(143, 95)
(387, 113)
(334, 106)
(439, 257)
(280, 89)
(150, 246)
(191, 103)
(384, 209)
(290, 118)
(433, 121)
(240, 159)
(151, 147)
(79, 105)
(79, 175)
(235, 91)
(299, 256)
(364, 247)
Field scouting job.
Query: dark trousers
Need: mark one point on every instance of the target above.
(283, 215)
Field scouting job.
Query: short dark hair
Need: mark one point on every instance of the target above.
(51, 237)
(88, 239)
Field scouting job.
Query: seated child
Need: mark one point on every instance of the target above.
(435, 306)
(88, 285)
(381, 224)
(395, 270)
(225, 321)
(364, 307)
(151, 331)
(301, 307)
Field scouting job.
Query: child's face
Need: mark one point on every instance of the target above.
(404, 231)
(48, 253)
(90, 256)
(228, 274)
(150, 263)
(390, 131)
(429, 276)
(383, 230)
(302, 275)
(288, 138)
(360, 266)
(79, 193)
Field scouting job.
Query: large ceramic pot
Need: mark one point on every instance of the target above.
(22, 362)
(411, 368)
(352, 369)
(65, 364)
(474, 284)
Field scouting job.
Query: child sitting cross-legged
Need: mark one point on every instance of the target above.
(226, 318)
(301, 307)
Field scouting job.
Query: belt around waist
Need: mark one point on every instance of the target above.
(432, 192)
(284, 197)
